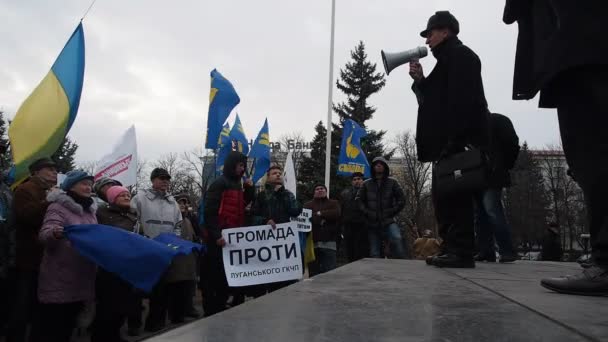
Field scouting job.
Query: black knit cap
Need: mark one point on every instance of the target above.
(357, 174)
(439, 20)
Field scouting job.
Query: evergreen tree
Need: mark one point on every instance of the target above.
(358, 81)
(527, 201)
(64, 157)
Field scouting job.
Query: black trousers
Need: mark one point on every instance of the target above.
(55, 322)
(24, 305)
(583, 120)
(158, 306)
(180, 300)
(216, 290)
(357, 242)
(114, 303)
(455, 216)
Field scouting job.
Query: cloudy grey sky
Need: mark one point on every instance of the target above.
(148, 63)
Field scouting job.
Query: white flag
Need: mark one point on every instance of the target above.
(121, 164)
(289, 175)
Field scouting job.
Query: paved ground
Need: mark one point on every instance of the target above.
(398, 300)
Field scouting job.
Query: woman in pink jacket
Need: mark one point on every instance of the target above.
(67, 279)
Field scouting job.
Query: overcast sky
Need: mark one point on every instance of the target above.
(148, 63)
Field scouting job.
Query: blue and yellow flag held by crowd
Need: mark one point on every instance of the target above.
(238, 134)
(352, 159)
(222, 99)
(46, 116)
(261, 152)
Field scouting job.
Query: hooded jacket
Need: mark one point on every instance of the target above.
(65, 275)
(452, 111)
(158, 213)
(226, 199)
(382, 200)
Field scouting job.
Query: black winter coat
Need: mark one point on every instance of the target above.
(555, 36)
(351, 213)
(504, 148)
(381, 203)
(452, 111)
(279, 205)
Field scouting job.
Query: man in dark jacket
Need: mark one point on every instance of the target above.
(452, 114)
(355, 230)
(560, 54)
(225, 203)
(325, 228)
(29, 207)
(490, 220)
(272, 206)
(381, 199)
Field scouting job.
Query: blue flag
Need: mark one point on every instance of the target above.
(222, 99)
(135, 259)
(178, 244)
(261, 152)
(225, 145)
(352, 159)
(237, 134)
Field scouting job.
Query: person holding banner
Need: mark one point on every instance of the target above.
(116, 299)
(325, 217)
(67, 279)
(225, 203)
(274, 205)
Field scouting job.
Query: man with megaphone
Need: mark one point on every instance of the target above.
(452, 117)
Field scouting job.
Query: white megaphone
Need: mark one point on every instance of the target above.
(393, 60)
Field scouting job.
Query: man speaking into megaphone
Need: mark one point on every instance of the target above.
(452, 114)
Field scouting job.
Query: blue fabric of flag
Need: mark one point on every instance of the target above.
(222, 100)
(352, 158)
(135, 259)
(178, 244)
(237, 134)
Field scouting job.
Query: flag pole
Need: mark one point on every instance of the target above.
(329, 96)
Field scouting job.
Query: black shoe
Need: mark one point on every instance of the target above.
(507, 258)
(429, 259)
(453, 261)
(593, 281)
(485, 257)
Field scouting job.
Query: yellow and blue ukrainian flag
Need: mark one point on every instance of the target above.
(261, 152)
(46, 116)
(222, 99)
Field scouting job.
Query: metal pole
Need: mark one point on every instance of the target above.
(329, 96)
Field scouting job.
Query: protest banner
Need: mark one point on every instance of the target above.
(121, 163)
(260, 254)
(303, 222)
